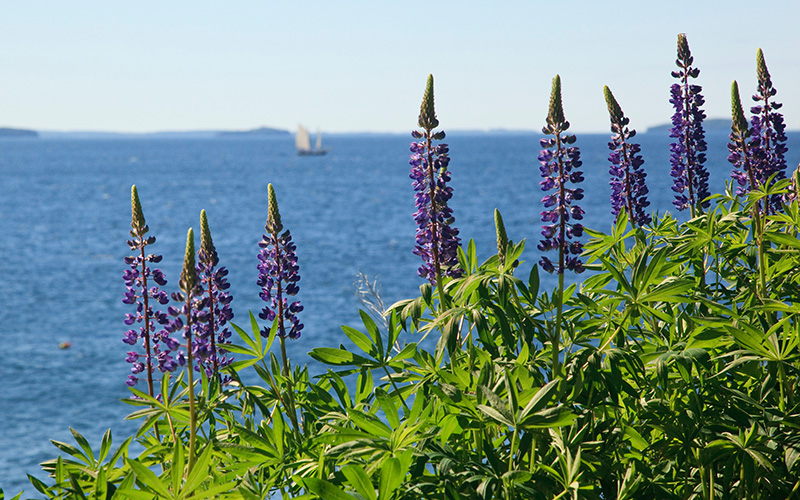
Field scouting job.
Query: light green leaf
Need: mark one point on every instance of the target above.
(391, 478)
(360, 481)
(147, 477)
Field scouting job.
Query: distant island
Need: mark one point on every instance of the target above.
(709, 125)
(253, 132)
(17, 132)
(171, 134)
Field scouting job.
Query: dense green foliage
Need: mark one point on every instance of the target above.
(678, 381)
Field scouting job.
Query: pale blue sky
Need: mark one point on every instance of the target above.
(349, 65)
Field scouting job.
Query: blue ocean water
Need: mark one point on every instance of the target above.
(65, 215)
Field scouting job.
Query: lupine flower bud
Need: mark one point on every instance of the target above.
(502, 238)
(137, 221)
(427, 115)
(745, 154)
(188, 281)
(273, 215)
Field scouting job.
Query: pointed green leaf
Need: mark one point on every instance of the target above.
(147, 477)
(360, 340)
(372, 328)
(389, 408)
(324, 489)
(361, 483)
(199, 472)
(391, 478)
(495, 415)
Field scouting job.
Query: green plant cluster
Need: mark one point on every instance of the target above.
(678, 379)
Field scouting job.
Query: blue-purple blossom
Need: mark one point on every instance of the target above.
(687, 158)
(768, 132)
(278, 275)
(745, 152)
(628, 188)
(184, 318)
(437, 239)
(559, 163)
(157, 344)
(213, 310)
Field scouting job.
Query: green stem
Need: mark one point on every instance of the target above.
(557, 331)
(396, 389)
(192, 413)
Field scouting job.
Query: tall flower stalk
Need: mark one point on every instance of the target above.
(278, 277)
(748, 171)
(559, 167)
(436, 239)
(628, 188)
(768, 132)
(687, 158)
(214, 312)
(189, 292)
(157, 343)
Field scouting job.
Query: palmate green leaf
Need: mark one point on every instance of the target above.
(84, 444)
(389, 408)
(72, 451)
(360, 340)
(369, 423)
(178, 464)
(149, 479)
(496, 415)
(408, 351)
(40, 486)
(101, 485)
(620, 278)
(323, 488)
(782, 239)
(199, 473)
(105, 446)
(278, 429)
(338, 357)
(671, 289)
(391, 477)
(360, 481)
(549, 418)
(16, 497)
(539, 400)
(372, 329)
(138, 495)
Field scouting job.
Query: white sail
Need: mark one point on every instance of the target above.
(302, 140)
(319, 140)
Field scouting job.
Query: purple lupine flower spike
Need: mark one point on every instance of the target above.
(688, 156)
(745, 152)
(768, 131)
(559, 163)
(628, 189)
(278, 275)
(214, 310)
(157, 344)
(437, 239)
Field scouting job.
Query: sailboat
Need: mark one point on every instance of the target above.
(303, 143)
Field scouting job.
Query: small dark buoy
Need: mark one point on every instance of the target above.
(64, 345)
